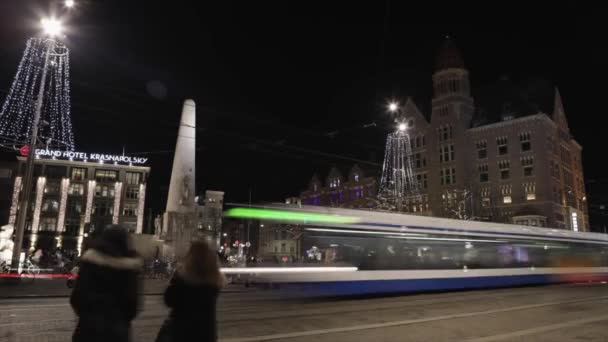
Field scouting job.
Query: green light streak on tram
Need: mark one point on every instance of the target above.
(285, 215)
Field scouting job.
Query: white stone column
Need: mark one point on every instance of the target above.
(140, 208)
(89, 206)
(15, 201)
(117, 198)
(65, 185)
(40, 184)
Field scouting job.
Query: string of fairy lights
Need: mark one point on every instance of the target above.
(17, 114)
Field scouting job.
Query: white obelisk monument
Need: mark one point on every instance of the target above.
(180, 219)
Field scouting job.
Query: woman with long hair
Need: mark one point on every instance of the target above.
(105, 294)
(192, 296)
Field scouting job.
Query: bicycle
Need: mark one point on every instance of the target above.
(30, 270)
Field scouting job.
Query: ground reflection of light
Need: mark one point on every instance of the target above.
(236, 270)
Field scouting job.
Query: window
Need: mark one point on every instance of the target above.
(483, 173)
(443, 111)
(448, 176)
(527, 163)
(503, 167)
(482, 151)
(55, 171)
(71, 227)
(530, 191)
(132, 192)
(418, 141)
(103, 208)
(565, 156)
(74, 207)
(50, 205)
(524, 139)
(48, 224)
(420, 160)
(574, 222)
(555, 169)
(283, 247)
(79, 174)
(444, 133)
(51, 188)
(283, 235)
(129, 210)
(502, 145)
(505, 190)
(356, 177)
(291, 249)
(76, 189)
(568, 180)
(422, 180)
(105, 176)
(104, 191)
(276, 249)
(557, 198)
(485, 197)
(423, 141)
(133, 178)
(276, 235)
(446, 153)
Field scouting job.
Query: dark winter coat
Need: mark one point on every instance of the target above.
(105, 297)
(192, 304)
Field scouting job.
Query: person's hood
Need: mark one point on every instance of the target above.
(96, 257)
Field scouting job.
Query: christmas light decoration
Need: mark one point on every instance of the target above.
(15, 201)
(89, 207)
(65, 185)
(398, 180)
(40, 185)
(117, 196)
(140, 208)
(17, 115)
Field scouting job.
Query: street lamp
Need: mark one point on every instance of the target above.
(69, 3)
(402, 127)
(393, 107)
(51, 26)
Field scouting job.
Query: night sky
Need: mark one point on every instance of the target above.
(272, 79)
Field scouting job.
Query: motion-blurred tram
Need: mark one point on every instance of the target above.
(355, 252)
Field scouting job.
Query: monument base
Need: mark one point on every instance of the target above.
(179, 230)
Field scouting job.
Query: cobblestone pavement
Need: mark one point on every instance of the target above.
(552, 313)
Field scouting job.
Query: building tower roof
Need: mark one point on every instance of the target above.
(449, 56)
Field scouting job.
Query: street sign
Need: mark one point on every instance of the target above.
(24, 150)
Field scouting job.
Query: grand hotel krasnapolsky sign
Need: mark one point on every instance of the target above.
(92, 157)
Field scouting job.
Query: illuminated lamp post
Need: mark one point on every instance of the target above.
(52, 28)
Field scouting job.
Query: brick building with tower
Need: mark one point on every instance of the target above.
(506, 155)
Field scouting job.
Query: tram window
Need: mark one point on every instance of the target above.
(382, 253)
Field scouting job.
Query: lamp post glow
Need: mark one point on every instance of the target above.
(402, 127)
(393, 106)
(51, 26)
(69, 3)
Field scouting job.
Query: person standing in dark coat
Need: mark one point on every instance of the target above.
(105, 294)
(192, 296)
